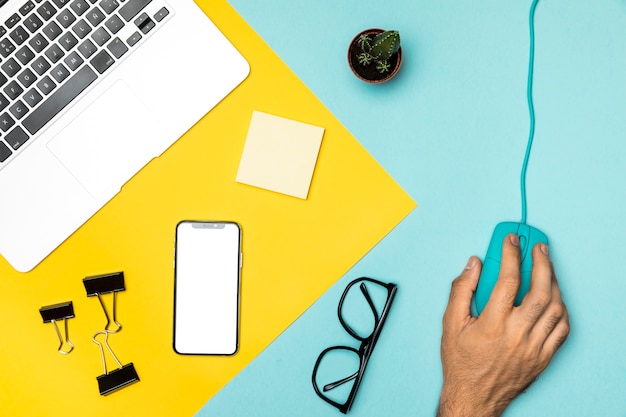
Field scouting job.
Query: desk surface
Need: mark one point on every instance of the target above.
(455, 130)
(294, 250)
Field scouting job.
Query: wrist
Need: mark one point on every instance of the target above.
(455, 403)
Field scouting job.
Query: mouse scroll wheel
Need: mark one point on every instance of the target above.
(522, 245)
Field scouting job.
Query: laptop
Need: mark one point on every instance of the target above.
(90, 92)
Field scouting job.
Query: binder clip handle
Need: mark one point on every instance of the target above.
(105, 284)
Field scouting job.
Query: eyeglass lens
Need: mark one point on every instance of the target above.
(337, 372)
(361, 307)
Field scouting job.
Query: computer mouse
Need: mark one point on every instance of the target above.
(528, 236)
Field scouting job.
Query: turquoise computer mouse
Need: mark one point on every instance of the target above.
(528, 237)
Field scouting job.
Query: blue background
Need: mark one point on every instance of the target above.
(451, 128)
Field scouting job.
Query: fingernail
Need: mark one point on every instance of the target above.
(544, 249)
(470, 264)
(514, 240)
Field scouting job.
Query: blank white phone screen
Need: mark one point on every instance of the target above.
(206, 301)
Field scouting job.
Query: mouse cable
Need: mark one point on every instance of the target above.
(531, 108)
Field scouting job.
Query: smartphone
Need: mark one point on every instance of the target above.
(207, 271)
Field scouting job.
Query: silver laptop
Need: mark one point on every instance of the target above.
(90, 92)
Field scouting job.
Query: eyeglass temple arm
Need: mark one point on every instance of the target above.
(366, 294)
(335, 384)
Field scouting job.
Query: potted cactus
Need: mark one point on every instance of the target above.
(375, 55)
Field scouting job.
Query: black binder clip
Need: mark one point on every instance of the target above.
(54, 313)
(105, 284)
(117, 379)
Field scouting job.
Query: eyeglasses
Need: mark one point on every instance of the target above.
(362, 311)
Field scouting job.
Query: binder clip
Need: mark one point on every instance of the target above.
(54, 313)
(118, 378)
(105, 284)
(124, 375)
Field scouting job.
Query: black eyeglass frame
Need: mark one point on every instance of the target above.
(367, 344)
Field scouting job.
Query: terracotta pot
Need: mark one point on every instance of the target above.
(369, 73)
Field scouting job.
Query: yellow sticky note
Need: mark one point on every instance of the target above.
(280, 154)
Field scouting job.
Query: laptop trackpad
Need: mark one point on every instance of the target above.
(103, 156)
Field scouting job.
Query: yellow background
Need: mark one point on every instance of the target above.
(293, 251)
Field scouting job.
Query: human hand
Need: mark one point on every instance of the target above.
(489, 360)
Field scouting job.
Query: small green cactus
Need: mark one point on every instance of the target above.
(364, 42)
(379, 49)
(365, 58)
(383, 66)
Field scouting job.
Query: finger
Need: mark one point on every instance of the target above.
(505, 290)
(557, 337)
(463, 288)
(553, 316)
(540, 294)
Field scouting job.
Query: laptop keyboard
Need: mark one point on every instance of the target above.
(52, 50)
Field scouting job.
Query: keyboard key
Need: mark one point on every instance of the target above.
(3, 31)
(144, 23)
(25, 55)
(3, 80)
(52, 31)
(26, 78)
(100, 36)
(6, 47)
(40, 65)
(79, 7)
(19, 35)
(54, 53)
(87, 48)
(73, 61)
(117, 48)
(38, 42)
(81, 29)
(161, 14)
(109, 5)
(18, 110)
(32, 97)
(5, 152)
(6, 121)
(134, 38)
(95, 16)
(68, 41)
(46, 11)
(13, 90)
(4, 102)
(58, 100)
(60, 73)
(11, 67)
(114, 24)
(132, 8)
(27, 7)
(102, 61)
(60, 3)
(66, 18)
(33, 23)
(12, 21)
(16, 138)
(46, 85)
